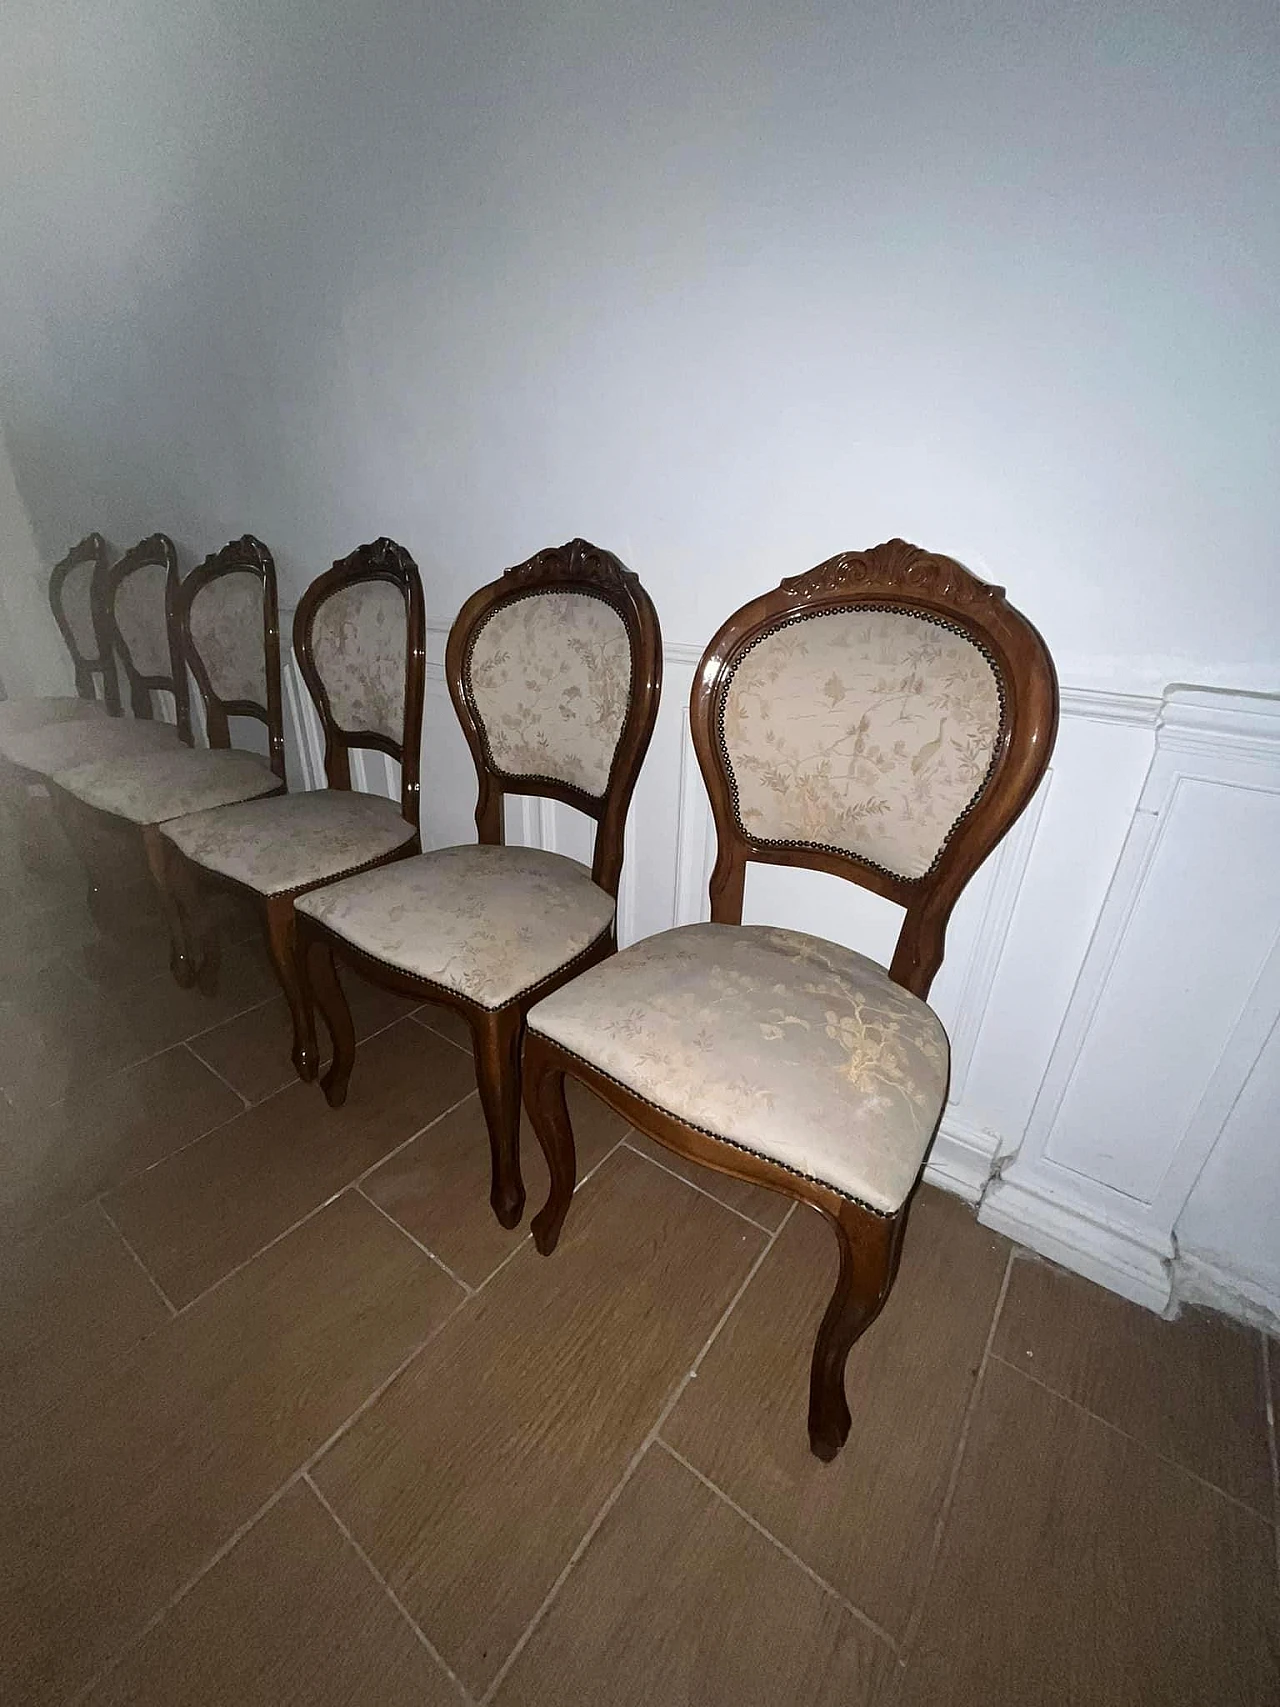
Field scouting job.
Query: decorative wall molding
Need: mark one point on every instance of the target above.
(1197, 877)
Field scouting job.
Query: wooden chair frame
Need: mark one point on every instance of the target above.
(241, 556)
(894, 576)
(246, 556)
(157, 548)
(382, 560)
(497, 1033)
(91, 549)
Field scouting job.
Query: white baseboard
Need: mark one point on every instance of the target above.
(962, 1158)
(1199, 1280)
(1123, 1259)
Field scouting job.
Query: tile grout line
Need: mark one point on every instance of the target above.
(632, 1466)
(527, 1237)
(426, 1025)
(221, 1077)
(944, 1512)
(694, 1186)
(311, 1213)
(272, 1499)
(390, 1593)
(159, 1290)
(795, 1559)
(417, 1243)
(1273, 1443)
(1142, 1445)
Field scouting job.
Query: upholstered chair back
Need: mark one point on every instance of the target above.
(870, 731)
(229, 622)
(360, 639)
(72, 599)
(885, 717)
(555, 672)
(137, 611)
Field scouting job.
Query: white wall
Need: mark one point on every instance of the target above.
(726, 289)
(33, 658)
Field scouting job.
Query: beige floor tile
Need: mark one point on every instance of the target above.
(135, 1480)
(290, 1618)
(1079, 1570)
(57, 1158)
(866, 1521)
(1193, 1389)
(71, 1300)
(72, 1033)
(195, 1217)
(766, 1207)
(473, 1478)
(253, 1052)
(438, 1186)
(679, 1599)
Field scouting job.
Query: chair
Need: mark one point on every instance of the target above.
(885, 718)
(131, 610)
(359, 635)
(71, 598)
(555, 673)
(226, 620)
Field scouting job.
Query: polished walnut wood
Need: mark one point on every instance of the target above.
(92, 552)
(380, 561)
(896, 576)
(498, 1034)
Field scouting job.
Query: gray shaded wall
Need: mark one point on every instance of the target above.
(725, 288)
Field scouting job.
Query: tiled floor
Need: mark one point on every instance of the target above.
(286, 1417)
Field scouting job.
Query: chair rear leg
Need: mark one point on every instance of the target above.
(869, 1249)
(182, 959)
(548, 1113)
(282, 947)
(497, 1037)
(321, 989)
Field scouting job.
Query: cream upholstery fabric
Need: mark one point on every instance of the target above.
(782, 1043)
(277, 845)
(487, 922)
(26, 716)
(140, 617)
(550, 677)
(61, 746)
(227, 631)
(360, 642)
(76, 596)
(151, 788)
(868, 731)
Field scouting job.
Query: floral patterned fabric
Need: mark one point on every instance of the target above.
(227, 632)
(550, 676)
(868, 731)
(781, 1043)
(150, 788)
(275, 846)
(488, 922)
(26, 716)
(139, 613)
(360, 643)
(60, 746)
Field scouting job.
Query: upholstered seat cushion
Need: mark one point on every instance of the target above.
(150, 788)
(274, 846)
(780, 1043)
(61, 747)
(25, 716)
(487, 922)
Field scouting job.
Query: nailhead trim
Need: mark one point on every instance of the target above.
(828, 847)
